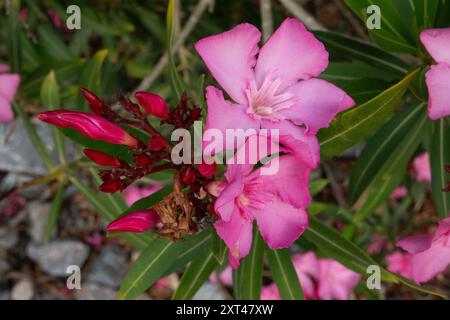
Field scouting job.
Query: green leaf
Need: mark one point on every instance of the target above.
(54, 214)
(175, 79)
(149, 267)
(439, 151)
(192, 247)
(91, 76)
(395, 34)
(219, 249)
(13, 43)
(195, 275)
(252, 270)
(426, 12)
(316, 186)
(354, 49)
(362, 121)
(380, 147)
(51, 100)
(108, 211)
(391, 173)
(52, 43)
(284, 274)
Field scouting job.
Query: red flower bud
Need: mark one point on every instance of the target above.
(188, 176)
(95, 102)
(207, 170)
(139, 221)
(153, 104)
(101, 158)
(156, 143)
(142, 160)
(111, 186)
(90, 125)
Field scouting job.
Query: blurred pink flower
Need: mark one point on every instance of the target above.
(335, 281)
(430, 253)
(133, 194)
(308, 270)
(400, 263)
(225, 277)
(9, 82)
(437, 43)
(270, 292)
(421, 165)
(161, 283)
(273, 87)
(399, 193)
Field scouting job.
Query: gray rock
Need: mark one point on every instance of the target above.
(92, 291)
(109, 267)
(38, 214)
(22, 290)
(19, 154)
(56, 256)
(4, 295)
(211, 291)
(8, 238)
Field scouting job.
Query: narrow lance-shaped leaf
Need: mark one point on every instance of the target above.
(362, 121)
(252, 269)
(50, 99)
(392, 172)
(284, 274)
(195, 275)
(54, 214)
(379, 147)
(219, 249)
(440, 158)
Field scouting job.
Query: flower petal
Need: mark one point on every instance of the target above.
(429, 263)
(318, 103)
(225, 202)
(279, 222)
(237, 234)
(6, 113)
(230, 57)
(223, 115)
(291, 53)
(438, 83)
(296, 141)
(415, 244)
(437, 43)
(290, 183)
(8, 86)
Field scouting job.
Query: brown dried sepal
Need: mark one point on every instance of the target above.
(175, 212)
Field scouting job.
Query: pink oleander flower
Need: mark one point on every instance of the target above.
(335, 281)
(277, 202)
(139, 221)
(307, 267)
(91, 125)
(399, 193)
(437, 43)
(9, 83)
(400, 262)
(421, 165)
(225, 277)
(377, 243)
(270, 292)
(430, 253)
(273, 87)
(133, 194)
